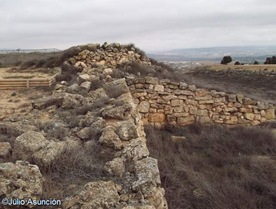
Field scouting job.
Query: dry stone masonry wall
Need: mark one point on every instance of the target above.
(111, 122)
(112, 116)
(164, 101)
(108, 55)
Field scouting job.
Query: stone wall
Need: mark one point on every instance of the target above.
(108, 55)
(164, 101)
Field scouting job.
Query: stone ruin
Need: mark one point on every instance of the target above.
(116, 113)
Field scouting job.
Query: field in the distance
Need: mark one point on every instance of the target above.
(255, 81)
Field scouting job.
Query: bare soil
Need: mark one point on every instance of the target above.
(17, 103)
(19, 73)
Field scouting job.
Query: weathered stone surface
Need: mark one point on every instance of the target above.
(185, 101)
(118, 112)
(185, 120)
(247, 101)
(107, 71)
(240, 98)
(147, 172)
(49, 153)
(176, 102)
(232, 98)
(110, 139)
(183, 85)
(193, 110)
(151, 80)
(202, 112)
(127, 131)
(159, 88)
(27, 144)
(204, 119)
(71, 101)
(156, 118)
(86, 85)
(116, 88)
(270, 114)
(249, 116)
(73, 88)
(97, 94)
(192, 87)
(178, 138)
(97, 126)
(47, 101)
(84, 133)
(143, 107)
(98, 194)
(115, 167)
(20, 180)
(135, 150)
(5, 149)
(80, 64)
(84, 77)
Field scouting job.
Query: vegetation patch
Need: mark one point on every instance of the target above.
(215, 166)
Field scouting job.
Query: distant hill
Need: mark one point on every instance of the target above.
(5, 51)
(245, 54)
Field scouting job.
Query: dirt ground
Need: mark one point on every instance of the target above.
(15, 103)
(14, 73)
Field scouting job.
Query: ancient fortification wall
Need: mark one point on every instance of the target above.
(164, 101)
(109, 118)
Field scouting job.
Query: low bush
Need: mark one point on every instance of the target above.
(68, 73)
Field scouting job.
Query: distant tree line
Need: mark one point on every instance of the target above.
(270, 60)
(227, 59)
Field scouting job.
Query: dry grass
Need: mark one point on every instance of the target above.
(73, 169)
(157, 69)
(259, 85)
(216, 167)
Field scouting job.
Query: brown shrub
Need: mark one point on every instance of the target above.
(68, 73)
(216, 167)
(53, 129)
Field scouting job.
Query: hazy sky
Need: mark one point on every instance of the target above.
(151, 24)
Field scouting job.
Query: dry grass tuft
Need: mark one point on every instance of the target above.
(74, 168)
(216, 167)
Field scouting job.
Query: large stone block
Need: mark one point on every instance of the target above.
(20, 180)
(151, 80)
(185, 120)
(176, 102)
(270, 114)
(143, 107)
(157, 118)
(159, 88)
(249, 116)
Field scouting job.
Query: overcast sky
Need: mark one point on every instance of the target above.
(151, 24)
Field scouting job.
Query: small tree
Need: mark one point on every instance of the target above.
(256, 63)
(268, 61)
(273, 60)
(226, 60)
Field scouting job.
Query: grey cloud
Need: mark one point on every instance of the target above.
(152, 25)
